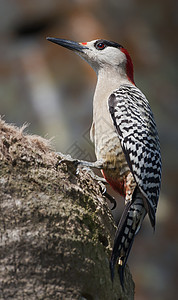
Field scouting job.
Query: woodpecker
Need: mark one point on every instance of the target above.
(125, 137)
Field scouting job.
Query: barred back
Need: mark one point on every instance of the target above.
(136, 128)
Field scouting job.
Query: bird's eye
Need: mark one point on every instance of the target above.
(100, 46)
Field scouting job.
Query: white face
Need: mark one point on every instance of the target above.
(100, 55)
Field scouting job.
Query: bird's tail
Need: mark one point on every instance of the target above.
(128, 227)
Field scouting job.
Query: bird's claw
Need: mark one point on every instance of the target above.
(83, 168)
(111, 199)
(104, 193)
(67, 159)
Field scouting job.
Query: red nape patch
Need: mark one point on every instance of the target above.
(117, 185)
(84, 43)
(129, 66)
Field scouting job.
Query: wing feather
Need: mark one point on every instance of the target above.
(136, 128)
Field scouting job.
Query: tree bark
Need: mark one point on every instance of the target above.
(56, 228)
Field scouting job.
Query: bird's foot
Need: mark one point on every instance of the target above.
(63, 158)
(86, 166)
(67, 159)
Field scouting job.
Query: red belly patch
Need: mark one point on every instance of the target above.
(117, 184)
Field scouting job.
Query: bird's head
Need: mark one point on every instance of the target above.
(101, 54)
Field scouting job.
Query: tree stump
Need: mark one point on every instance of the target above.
(56, 228)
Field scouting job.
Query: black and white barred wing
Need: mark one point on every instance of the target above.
(136, 128)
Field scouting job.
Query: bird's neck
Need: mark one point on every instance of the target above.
(109, 79)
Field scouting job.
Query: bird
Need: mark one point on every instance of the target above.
(126, 140)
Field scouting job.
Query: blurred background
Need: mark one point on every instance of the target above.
(51, 88)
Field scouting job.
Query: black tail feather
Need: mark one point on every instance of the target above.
(129, 225)
(122, 266)
(121, 275)
(118, 236)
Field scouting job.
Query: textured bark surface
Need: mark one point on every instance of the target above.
(56, 228)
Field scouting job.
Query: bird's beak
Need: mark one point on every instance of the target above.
(78, 47)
